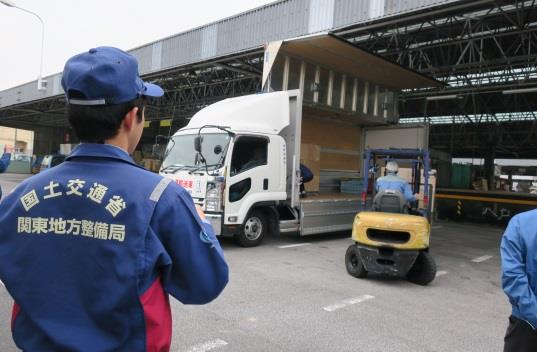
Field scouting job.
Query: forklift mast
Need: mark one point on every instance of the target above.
(419, 159)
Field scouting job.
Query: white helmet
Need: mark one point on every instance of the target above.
(392, 167)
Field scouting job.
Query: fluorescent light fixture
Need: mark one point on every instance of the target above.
(443, 97)
(518, 91)
(8, 3)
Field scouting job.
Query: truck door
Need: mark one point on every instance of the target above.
(248, 176)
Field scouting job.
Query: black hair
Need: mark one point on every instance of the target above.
(96, 123)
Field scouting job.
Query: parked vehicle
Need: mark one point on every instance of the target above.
(22, 158)
(50, 161)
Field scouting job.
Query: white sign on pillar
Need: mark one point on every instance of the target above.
(271, 51)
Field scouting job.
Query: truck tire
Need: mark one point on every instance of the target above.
(423, 271)
(252, 230)
(353, 262)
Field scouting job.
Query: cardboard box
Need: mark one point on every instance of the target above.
(66, 149)
(147, 163)
(156, 165)
(137, 156)
(336, 139)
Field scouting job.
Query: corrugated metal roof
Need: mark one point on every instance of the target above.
(279, 20)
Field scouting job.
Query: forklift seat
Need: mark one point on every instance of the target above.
(390, 201)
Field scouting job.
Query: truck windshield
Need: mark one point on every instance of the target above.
(181, 152)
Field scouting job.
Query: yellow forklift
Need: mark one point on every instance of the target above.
(392, 238)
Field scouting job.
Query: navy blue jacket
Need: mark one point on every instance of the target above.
(90, 250)
(306, 173)
(519, 266)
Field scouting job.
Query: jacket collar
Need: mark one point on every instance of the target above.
(101, 151)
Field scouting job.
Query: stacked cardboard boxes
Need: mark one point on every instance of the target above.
(151, 164)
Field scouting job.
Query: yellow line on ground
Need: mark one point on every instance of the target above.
(485, 199)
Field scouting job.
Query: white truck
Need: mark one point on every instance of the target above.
(245, 172)
(240, 158)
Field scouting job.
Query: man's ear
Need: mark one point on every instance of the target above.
(130, 118)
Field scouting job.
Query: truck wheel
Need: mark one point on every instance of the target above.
(353, 262)
(423, 271)
(252, 230)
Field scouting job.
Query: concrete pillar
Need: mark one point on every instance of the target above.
(489, 168)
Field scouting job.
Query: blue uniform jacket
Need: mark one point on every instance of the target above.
(519, 265)
(396, 183)
(4, 163)
(90, 250)
(306, 173)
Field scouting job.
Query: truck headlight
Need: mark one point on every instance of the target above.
(213, 197)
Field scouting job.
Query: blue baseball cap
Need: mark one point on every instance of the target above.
(104, 76)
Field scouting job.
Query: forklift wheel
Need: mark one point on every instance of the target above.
(353, 263)
(423, 271)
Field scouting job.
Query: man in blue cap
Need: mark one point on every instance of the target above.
(91, 249)
(519, 280)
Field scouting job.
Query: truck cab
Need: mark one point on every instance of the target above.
(239, 166)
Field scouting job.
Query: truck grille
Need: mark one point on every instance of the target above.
(388, 236)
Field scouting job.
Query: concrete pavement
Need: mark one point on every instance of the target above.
(294, 294)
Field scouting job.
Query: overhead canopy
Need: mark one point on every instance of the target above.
(332, 52)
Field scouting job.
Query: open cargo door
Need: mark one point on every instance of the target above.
(292, 135)
(338, 79)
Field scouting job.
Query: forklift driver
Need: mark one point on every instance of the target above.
(396, 183)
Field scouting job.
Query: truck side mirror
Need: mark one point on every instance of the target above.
(197, 144)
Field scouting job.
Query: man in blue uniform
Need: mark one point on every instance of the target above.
(305, 176)
(519, 281)
(4, 163)
(393, 182)
(91, 249)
